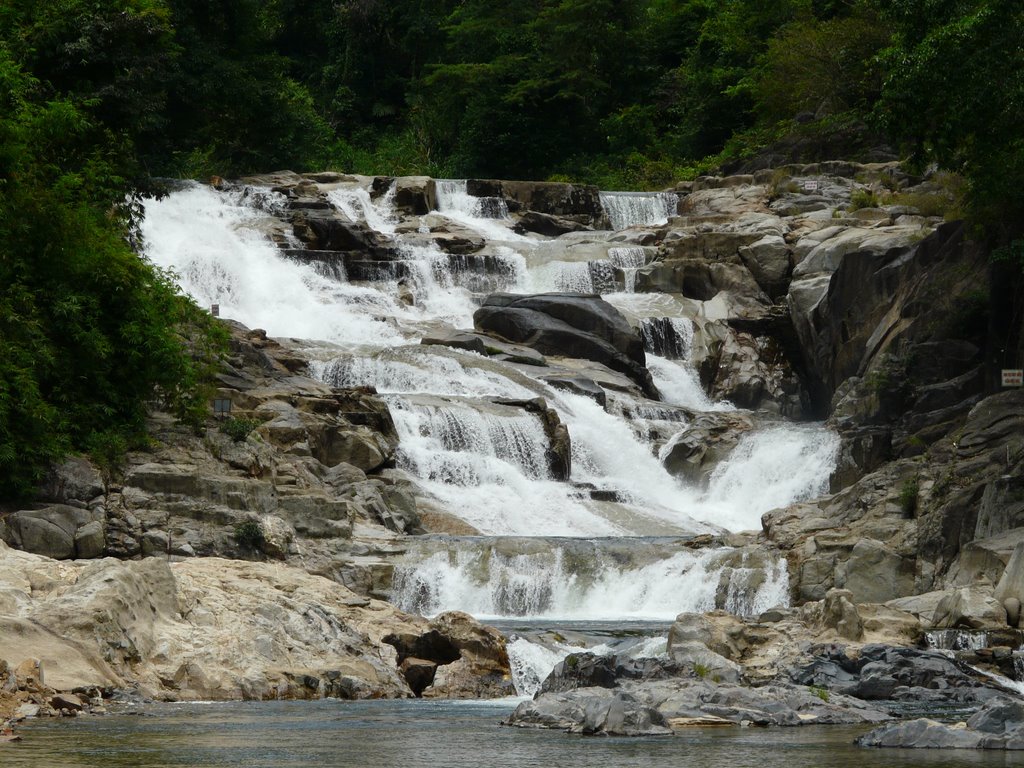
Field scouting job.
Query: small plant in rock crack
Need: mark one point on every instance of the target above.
(249, 533)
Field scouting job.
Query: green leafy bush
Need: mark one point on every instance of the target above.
(237, 428)
(249, 533)
(863, 198)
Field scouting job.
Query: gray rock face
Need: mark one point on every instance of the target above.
(73, 479)
(999, 724)
(55, 531)
(972, 608)
(570, 325)
(591, 712)
(546, 224)
(882, 672)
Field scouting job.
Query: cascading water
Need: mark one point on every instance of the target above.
(638, 209)
(588, 580)
(355, 202)
(629, 260)
(487, 215)
(484, 461)
(213, 242)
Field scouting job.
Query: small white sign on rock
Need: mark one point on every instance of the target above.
(810, 186)
(1013, 377)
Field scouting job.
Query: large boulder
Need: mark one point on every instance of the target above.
(53, 531)
(999, 724)
(592, 712)
(74, 479)
(546, 197)
(970, 607)
(546, 224)
(568, 325)
(471, 660)
(415, 194)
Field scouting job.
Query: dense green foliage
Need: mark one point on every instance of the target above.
(89, 332)
(96, 96)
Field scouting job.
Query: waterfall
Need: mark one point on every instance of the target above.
(638, 209)
(467, 446)
(629, 260)
(531, 663)
(669, 337)
(956, 639)
(580, 550)
(563, 277)
(487, 215)
(772, 468)
(355, 202)
(588, 581)
(213, 242)
(668, 342)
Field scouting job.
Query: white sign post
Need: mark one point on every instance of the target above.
(810, 186)
(1013, 377)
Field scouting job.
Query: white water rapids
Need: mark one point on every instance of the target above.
(483, 461)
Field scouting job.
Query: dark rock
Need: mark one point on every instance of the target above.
(552, 198)
(591, 712)
(329, 231)
(579, 385)
(415, 194)
(559, 454)
(570, 325)
(67, 701)
(587, 670)
(546, 224)
(456, 340)
(73, 479)
(418, 673)
(999, 724)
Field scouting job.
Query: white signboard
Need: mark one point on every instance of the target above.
(1013, 377)
(810, 186)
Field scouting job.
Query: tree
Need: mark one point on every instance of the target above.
(954, 95)
(90, 333)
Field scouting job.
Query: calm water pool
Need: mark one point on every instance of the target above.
(336, 734)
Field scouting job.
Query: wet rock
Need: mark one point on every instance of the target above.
(327, 231)
(921, 734)
(559, 452)
(546, 224)
(579, 385)
(456, 340)
(999, 724)
(551, 198)
(569, 325)
(416, 195)
(67, 701)
(590, 712)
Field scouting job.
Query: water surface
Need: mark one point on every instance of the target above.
(337, 734)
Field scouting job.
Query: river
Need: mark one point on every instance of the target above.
(448, 734)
